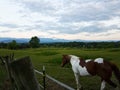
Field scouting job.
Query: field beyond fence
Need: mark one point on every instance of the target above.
(51, 58)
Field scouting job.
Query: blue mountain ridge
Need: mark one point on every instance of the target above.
(48, 40)
(26, 40)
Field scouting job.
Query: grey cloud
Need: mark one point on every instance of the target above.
(92, 11)
(75, 10)
(9, 25)
(4, 31)
(89, 29)
(113, 27)
(69, 28)
(40, 7)
(70, 11)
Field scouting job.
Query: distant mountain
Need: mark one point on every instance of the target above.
(48, 40)
(24, 40)
(18, 40)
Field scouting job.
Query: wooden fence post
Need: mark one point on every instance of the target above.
(44, 78)
(23, 74)
(8, 68)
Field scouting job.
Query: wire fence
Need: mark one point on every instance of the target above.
(50, 83)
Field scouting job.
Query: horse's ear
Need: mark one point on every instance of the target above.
(63, 55)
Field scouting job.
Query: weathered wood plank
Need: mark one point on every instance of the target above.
(23, 73)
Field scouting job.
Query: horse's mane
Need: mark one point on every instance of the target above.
(73, 56)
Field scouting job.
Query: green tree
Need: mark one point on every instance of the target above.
(12, 45)
(34, 42)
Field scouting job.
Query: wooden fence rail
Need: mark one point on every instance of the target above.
(56, 81)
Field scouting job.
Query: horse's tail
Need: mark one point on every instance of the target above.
(116, 71)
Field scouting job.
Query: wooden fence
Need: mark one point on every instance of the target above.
(22, 76)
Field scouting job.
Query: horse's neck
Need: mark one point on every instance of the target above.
(82, 62)
(74, 60)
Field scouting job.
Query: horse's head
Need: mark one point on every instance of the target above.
(65, 60)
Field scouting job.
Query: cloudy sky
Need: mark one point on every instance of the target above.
(64, 19)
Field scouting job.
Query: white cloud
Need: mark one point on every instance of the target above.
(111, 21)
(69, 19)
(110, 35)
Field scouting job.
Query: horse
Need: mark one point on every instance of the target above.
(98, 66)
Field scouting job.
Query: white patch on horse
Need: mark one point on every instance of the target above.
(76, 67)
(83, 71)
(87, 60)
(99, 60)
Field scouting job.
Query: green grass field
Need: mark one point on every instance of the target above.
(51, 59)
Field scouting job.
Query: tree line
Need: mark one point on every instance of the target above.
(35, 43)
(84, 44)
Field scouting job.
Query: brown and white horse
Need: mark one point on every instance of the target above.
(90, 67)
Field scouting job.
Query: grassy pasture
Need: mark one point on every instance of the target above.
(51, 58)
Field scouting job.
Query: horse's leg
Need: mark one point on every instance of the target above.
(112, 84)
(102, 85)
(77, 80)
